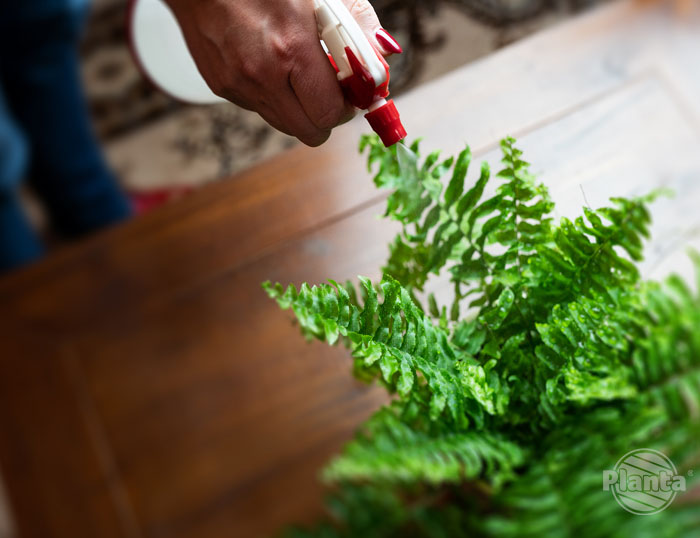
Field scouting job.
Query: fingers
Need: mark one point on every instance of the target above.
(282, 110)
(364, 14)
(315, 85)
(295, 121)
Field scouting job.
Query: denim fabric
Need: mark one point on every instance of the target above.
(29, 10)
(45, 116)
(13, 149)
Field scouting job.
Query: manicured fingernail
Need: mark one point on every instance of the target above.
(388, 43)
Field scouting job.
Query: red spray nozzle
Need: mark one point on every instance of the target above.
(386, 122)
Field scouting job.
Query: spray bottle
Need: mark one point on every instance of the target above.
(160, 51)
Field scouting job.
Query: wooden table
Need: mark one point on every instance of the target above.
(149, 388)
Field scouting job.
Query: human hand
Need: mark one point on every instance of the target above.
(265, 56)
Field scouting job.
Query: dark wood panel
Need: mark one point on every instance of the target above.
(50, 453)
(233, 384)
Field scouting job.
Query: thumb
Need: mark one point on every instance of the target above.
(364, 14)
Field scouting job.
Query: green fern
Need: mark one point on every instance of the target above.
(553, 360)
(394, 341)
(390, 450)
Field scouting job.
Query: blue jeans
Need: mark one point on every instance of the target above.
(45, 131)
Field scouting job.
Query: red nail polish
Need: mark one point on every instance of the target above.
(388, 43)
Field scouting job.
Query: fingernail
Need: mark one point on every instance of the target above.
(388, 43)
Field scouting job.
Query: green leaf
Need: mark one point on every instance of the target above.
(456, 185)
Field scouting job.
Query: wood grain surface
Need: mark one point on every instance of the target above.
(148, 388)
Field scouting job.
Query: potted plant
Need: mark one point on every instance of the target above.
(514, 406)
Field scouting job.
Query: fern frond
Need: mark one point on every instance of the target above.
(585, 346)
(561, 495)
(396, 342)
(585, 257)
(666, 359)
(388, 450)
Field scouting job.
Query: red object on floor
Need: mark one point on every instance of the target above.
(145, 201)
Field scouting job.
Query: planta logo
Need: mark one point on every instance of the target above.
(644, 481)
